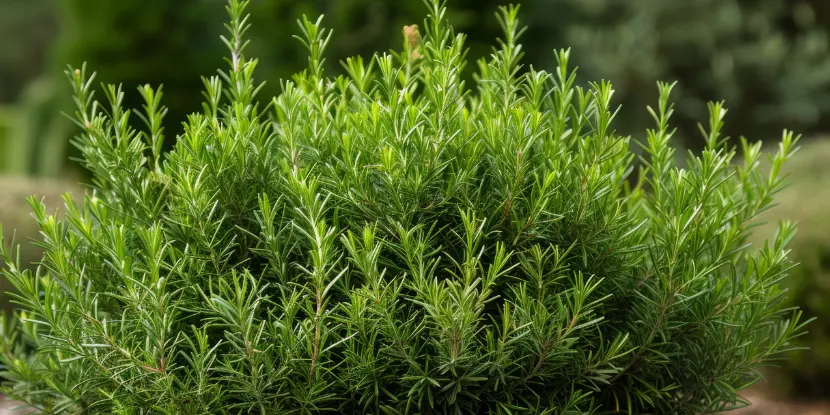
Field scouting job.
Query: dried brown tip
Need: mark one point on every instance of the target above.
(413, 40)
(412, 36)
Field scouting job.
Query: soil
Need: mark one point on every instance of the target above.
(764, 406)
(8, 407)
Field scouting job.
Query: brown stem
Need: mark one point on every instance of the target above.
(315, 348)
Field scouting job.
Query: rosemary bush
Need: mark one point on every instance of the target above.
(392, 242)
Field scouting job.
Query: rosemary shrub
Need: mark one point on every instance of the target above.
(392, 242)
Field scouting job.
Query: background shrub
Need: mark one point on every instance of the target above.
(31, 27)
(803, 374)
(767, 59)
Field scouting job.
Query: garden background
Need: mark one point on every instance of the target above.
(768, 59)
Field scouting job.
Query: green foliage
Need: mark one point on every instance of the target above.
(28, 27)
(134, 42)
(393, 242)
(808, 202)
(769, 59)
(37, 143)
(6, 115)
(114, 37)
(16, 218)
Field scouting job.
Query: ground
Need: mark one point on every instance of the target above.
(763, 406)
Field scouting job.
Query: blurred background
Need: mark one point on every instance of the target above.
(769, 59)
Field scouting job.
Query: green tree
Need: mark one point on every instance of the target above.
(768, 59)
